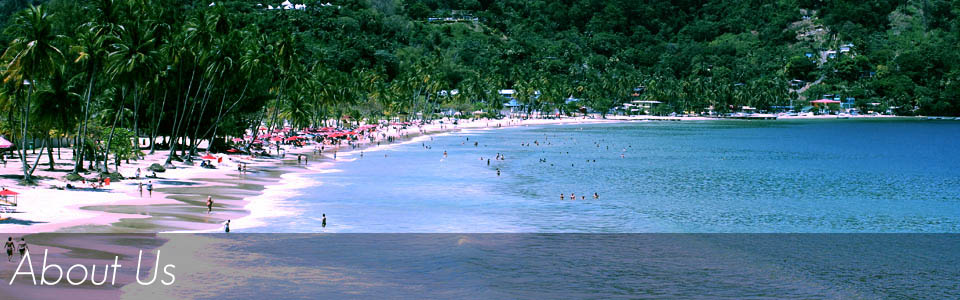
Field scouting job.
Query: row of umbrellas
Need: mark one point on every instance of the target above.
(329, 132)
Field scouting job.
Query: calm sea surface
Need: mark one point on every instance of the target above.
(795, 178)
(718, 176)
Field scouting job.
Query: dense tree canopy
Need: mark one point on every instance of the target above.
(199, 69)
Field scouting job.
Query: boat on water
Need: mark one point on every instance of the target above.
(843, 116)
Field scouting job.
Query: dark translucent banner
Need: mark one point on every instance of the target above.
(483, 266)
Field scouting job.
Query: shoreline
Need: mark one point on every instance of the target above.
(179, 209)
(176, 204)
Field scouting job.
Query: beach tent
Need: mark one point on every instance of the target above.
(7, 193)
(4, 143)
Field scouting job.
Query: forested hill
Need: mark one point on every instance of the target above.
(394, 57)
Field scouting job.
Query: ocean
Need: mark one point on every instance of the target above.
(840, 209)
(802, 176)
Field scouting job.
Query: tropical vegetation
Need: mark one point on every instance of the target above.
(101, 73)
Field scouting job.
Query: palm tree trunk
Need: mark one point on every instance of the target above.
(106, 153)
(189, 116)
(194, 142)
(178, 121)
(276, 105)
(25, 121)
(136, 117)
(86, 117)
(50, 154)
(36, 162)
(159, 117)
(220, 114)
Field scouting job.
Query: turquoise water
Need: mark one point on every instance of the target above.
(714, 176)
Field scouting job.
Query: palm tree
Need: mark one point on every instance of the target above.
(31, 56)
(56, 107)
(133, 60)
(90, 47)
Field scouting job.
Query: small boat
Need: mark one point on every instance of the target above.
(843, 116)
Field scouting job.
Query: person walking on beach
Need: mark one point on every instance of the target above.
(323, 222)
(137, 175)
(150, 188)
(140, 187)
(9, 246)
(226, 227)
(209, 204)
(22, 247)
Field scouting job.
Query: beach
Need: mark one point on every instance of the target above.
(177, 202)
(425, 192)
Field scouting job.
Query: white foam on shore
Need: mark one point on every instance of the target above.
(274, 202)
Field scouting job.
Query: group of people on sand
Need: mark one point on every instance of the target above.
(20, 246)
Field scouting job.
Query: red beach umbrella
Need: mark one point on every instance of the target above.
(208, 156)
(6, 192)
(292, 138)
(825, 101)
(4, 143)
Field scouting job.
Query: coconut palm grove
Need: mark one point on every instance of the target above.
(102, 72)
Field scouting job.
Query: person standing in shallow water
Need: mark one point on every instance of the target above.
(323, 222)
(209, 204)
(226, 227)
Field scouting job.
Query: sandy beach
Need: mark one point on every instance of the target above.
(177, 203)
